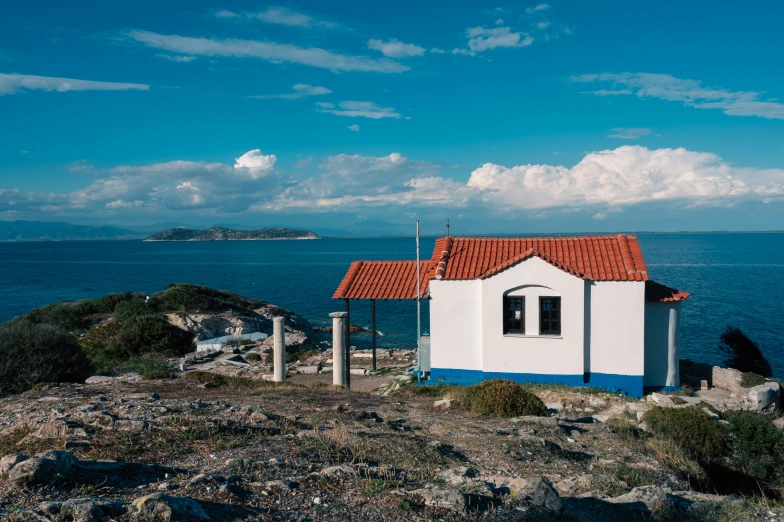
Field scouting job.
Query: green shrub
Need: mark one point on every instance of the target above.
(137, 335)
(756, 447)
(504, 398)
(38, 353)
(751, 379)
(252, 357)
(130, 309)
(70, 315)
(693, 430)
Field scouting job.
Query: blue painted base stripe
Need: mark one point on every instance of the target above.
(630, 385)
(648, 389)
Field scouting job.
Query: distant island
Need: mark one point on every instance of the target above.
(229, 234)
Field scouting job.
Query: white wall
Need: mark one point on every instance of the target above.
(662, 334)
(455, 336)
(532, 353)
(617, 315)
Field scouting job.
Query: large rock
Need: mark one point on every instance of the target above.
(59, 429)
(80, 510)
(538, 492)
(765, 397)
(34, 472)
(9, 461)
(574, 486)
(44, 469)
(727, 379)
(436, 496)
(165, 508)
(643, 498)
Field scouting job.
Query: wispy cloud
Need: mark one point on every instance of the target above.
(626, 133)
(690, 92)
(270, 51)
(354, 128)
(177, 57)
(280, 16)
(539, 7)
(301, 90)
(393, 48)
(359, 109)
(483, 39)
(14, 83)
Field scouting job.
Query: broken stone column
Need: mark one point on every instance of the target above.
(279, 349)
(338, 348)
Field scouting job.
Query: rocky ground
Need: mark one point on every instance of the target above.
(233, 448)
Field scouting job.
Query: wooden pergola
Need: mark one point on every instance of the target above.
(386, 280)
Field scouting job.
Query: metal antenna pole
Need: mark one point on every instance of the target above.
(447, 227)
(419, 295)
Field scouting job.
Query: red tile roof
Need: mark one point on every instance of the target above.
(596, 258)
(383, 280)
(657, 293)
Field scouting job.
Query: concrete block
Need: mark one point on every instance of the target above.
(727, 379)
(358, 371)
(703, 384)
(765, 397)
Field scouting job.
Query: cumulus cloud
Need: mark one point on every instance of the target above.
(301, 90)
(602, 183)
(255, 164)
(359, 109)
(690, 92)
(483, 39)
(14, 83)
(269, 51)
(394, 48)
(627, 133)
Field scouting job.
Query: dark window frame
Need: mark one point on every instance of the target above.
(508, 330)
(550, 319)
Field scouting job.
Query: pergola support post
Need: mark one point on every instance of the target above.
(348, 347)
(279, 349)
(339, 370)
(373, 329)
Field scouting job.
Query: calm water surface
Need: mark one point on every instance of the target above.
(733, 278)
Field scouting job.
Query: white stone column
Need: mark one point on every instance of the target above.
(279, 349)
(673, 351)
(338, 348)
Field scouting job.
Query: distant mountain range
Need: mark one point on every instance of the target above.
(60, 231)
(230, 234)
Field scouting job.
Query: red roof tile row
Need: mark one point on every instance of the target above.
(596, 258)
(658, 293)
(383, 280)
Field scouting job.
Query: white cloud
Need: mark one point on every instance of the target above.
(255, 163)
(354, 128)
(270, 51)
(602, 183)
(395, 48)
(285, 16)
(691, 92)
(14, 83)
(359, 109)
(626, 133)
(436, 50)
(177, 58)
(483, 39)
(223, 13)
(542, 25)
(539, 7)
(301, 90)
(465, 52)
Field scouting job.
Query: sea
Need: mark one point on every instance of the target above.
(734, 279)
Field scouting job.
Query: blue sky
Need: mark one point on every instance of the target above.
(512, 117)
